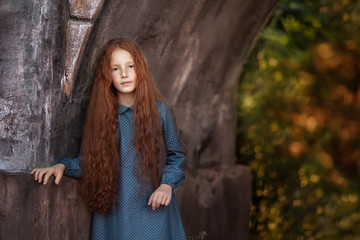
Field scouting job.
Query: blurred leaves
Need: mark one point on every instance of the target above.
(299, 122)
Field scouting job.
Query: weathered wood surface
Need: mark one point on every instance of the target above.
(29, 210)
(216, 201)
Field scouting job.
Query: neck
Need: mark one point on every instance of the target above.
(126, 99)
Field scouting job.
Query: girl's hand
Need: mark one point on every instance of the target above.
(57, 170)
(161, 196)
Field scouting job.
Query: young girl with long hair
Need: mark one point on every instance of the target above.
(131, 155)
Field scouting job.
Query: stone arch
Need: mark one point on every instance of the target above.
(195, 50)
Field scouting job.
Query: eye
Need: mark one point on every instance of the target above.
(131, 66)
(115, 69)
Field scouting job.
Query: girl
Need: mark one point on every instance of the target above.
(132, 156)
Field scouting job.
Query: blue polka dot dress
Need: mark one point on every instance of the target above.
(132, 218)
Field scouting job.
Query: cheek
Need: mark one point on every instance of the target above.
(135, 80)
(113, 76)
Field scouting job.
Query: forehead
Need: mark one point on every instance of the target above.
(119, 56)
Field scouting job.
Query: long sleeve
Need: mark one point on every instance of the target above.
(175, 155)
(72, 166)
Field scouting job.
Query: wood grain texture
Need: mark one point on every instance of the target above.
(216, 201)
(29, 210)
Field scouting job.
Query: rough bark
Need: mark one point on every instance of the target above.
(32, 44)
(195, 50)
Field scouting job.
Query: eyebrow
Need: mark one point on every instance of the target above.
(116, 64)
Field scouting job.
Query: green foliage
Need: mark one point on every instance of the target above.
(299, 122)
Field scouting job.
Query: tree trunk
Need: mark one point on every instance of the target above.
(195, 50)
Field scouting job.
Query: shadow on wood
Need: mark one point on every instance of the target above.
(216, 201)
(29, 210)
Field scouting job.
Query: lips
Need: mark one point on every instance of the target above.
(126, 83)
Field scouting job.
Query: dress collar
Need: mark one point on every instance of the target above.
(123, 109)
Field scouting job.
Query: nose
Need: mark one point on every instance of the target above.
(124, 74)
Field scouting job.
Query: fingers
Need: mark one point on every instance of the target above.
(36, 173)
(47, 176)
(156, 202)
(167, 202)
(163, 200)
(43, 174)
(58, 177)
(151, 199)
(159, 198)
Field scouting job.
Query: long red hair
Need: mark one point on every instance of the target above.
(100, 161)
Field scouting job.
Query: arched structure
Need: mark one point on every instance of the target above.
(195, 50)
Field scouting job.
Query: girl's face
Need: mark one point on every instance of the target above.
(123, 74)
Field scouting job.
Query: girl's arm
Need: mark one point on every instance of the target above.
(72, 166)
(175, 156)
(173, 174)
